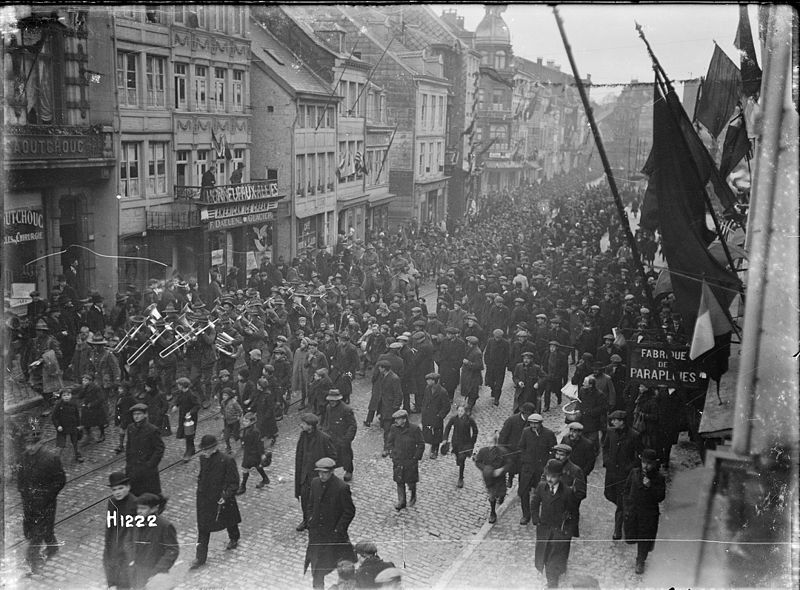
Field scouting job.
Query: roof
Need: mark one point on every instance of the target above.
(492, 29)
(283, 63)
(540, 71)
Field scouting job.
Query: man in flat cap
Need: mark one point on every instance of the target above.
(621, 447)
(472, 372)
(435, 407)
(312, 445)
(555, 367)
(644, 489)
(583, 453)
(332, 511)
(386, 399)
(121, 505)
(217, 508)
(406, 446)
(452, 352)
(143, 452)
(496, 357)
(344, 365)
(572, 476)
(155, 548)
(534, 450)
(527, 377)
(339, 422)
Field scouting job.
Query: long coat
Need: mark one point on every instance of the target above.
(640, 505)
(218, 478)
(465, 433)
(529, 376)
(509, 437)
(407, 447)
(311, 447)
(471, 373)
(39, 480)
(496, 358)
(435, 405)
(451, 355)
(534, 452)
(387, 395)
(620, 455)
(155, 550)
(332, 511)
(117, 552)
(583, 453)
(252, 447)
(298, 370)
(93, 408)
(143, 453)
(188, 403)
(553, 515)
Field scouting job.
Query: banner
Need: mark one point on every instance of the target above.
(660, 364)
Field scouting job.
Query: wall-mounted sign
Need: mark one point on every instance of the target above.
(236, 209)
(660, 364)
(240, 192)
(23, 225)
(239, 220)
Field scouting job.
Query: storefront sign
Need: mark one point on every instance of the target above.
(239, 220)
(234, 210)
(234, 193)
(48, 147)
(660, 364)
(23, 225)
(21, 294)
(216, 257)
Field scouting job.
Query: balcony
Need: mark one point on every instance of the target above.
(228, 193)
(67, 145)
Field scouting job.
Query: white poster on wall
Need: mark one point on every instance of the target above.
(217, 256)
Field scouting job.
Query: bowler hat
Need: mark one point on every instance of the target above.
(117, 478)
(554, 467)
(649, 455)
(333, 395)
(598, 365)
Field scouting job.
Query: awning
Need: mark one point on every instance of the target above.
(503, 165)
(380, 199)
(353, 201)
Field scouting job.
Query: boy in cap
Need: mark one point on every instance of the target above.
(143, 452)
(465, 433)
(472, 372)
(232, 413)
(369, 564)
(122, 414)
(253, 453)
(644, 489)
(494, 461)
(217, 508)
(155, 546)
(555, 510)
(496, 357)
(66, 419)
(121, 505)
(312, 445)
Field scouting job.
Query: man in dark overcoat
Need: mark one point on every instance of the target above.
(555, 511)
(465, 433)
(117, 553)
(644, 489)
(422, 366)
(555, 367)
(155, 548)
(406, 446)
(583, 453)
(143, 452)
(534, 446)
(435, 407)
(510, 434)
(472, 372)
(312, 445)
(387, 398)
(339, 422)
(621, 449)
(495, 357)
(39, 480)
(217, 509)
(451, 356)
(344, 365)
(332, 511)
(526, 375)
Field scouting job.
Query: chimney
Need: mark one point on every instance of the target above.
(635, 81)
(550, 63)
(539, 61)
(460, 22)
(557, 67)
(588, 78)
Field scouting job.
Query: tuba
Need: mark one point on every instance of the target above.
(224, 343)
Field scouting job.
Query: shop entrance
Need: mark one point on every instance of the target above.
(76, 228)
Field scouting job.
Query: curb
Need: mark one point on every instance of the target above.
(473, 544)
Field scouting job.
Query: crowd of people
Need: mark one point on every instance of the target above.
(524, 291)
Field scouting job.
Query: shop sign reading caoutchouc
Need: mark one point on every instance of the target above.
(659, 364)
(23, 225)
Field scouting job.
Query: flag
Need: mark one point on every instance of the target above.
(751, 73)
(228, 154)
(359, 163)
(468, 130)
(682, 216)
(711, 321)
(720, 93)
(216, 144)
(735, 147)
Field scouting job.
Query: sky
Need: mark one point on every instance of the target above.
(606, 44)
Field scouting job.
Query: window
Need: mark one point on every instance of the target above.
(129, 169)
(311, 186)
(218, 98)
(217, 17)
(200, 165)
(156, 81)
(181, 166)
(330, 170)
(439, 156)
(126, 78)
(441, 112)
(152, 15)
(236, 19)
(478, 135)
(498, 102)
(200, 98)
(329, 118)
(424, 112)
(238, 90)
(382, 108)
(421, 158)
(201, 15)
(481, 99)
(221, 169)
(352, 107)
(500, 60)
(300, 174)
(499, 132)
(429, 167)
(180, 86)
(157, 169)
(178, 14)
(358, 106)
(311, 117)
(342, 89)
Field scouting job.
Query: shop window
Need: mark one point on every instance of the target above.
(126, 78)
(129, 169)
(156, 81)
(157, 169)
(180, 86)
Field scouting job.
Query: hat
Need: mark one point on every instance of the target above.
(96, 339)
(138, 408)
(312, 342)
(390, 574)
(452, 330)
(183, 381)
(384, 363)
(563, 447)
(497, 332)
(249, 417)
(608, 337)
(527, 353)
(325, 464)
(282, 338)
(310, 418)
(598, 365)
(519, 300)
(120, 298)
(35, 294)
(416, 309)
(629, 297)
(396, 345)
(541, 316)
(575, 426)
(554, 342)
(535, 418)
(649, 455)
(42, 325)
(117, 478)
(587, 356)
(472, 339)
(597, 307)
(333, 394)
(209, 441)
(615, 358)
(403, 337)
(400, 414)
(224, 373)
(471, 317)
(149, 499)
(434, 376)
(554, 467)
(618, 415)
(420, 335)
(344, 335)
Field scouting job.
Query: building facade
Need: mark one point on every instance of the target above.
(60, 210)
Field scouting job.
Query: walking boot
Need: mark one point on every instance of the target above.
(302, 526)
(460, 483)
(639, 566)
(413, 500)
(348, 475)
(492, 517)
(401, 497)
(264, 481)
(243, 486)
(78, 458)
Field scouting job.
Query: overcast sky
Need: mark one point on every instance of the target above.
(605, 42)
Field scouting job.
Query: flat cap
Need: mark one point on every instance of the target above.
(390, 574)
(575, 426)
(452, 330)
(563, 447)
(333, 394)
(400, 414)
(208, 441)
(434, 376)
(384, 363)
(535, 418)
(649, 455)
(615, 358)
(527, 353)
(497, 332)
(138, 408)
(554, 467)
(310, 418)
(325, 464)
(472, 339)
(396, 345)
(618, 415)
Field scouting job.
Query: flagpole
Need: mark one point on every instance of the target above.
(604, 158)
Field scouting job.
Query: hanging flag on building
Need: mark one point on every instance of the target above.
(736, 145)
(711, 322)
(216, 144)
(228, 154)
(720, 93)
(751, 73)
(359, 163)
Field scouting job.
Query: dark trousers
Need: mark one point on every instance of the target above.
(527, 481)
(203, 537)
(344, 451)
(551, 385)
(642, 549)
(318, 578)
(618, 516)
(387, 426)
(495, 379)
(190, 450)
(305, 499)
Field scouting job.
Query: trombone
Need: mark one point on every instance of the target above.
(150, 316)
(181, 338)
(146, 345)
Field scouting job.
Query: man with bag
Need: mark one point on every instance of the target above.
(332, 511)
(217, 509)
